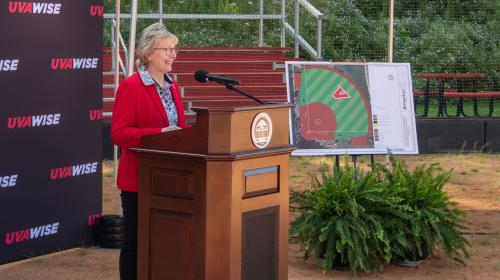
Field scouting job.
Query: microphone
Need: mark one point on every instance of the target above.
(203, 76)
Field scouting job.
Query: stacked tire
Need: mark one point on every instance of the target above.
(108, 232)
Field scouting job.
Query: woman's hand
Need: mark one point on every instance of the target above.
(170, 128)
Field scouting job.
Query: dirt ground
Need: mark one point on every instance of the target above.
(475, 185)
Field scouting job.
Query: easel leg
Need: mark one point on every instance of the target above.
(355, 165)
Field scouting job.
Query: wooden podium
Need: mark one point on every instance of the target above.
(213, 199)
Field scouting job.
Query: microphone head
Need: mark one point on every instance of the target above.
(201, 75)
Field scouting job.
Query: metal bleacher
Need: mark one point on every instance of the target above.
(259, 69)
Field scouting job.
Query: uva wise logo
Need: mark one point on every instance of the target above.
(34, 8)
(8, 181)
(33, 121)
(96, 11)
(71, 171)
(9, 64)
(95, 114)
(340, 93)
(74, 63)
(31, 233)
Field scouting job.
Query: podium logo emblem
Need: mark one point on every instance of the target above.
(262, 130)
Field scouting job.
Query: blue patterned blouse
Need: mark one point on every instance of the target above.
(164, 92)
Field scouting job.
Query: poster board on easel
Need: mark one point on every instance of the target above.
(351, 108)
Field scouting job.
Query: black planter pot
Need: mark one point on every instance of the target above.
(413, 259)
(337, 263)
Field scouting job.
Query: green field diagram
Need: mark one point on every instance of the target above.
(332, 106)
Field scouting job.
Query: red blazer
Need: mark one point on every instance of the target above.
(138, 111)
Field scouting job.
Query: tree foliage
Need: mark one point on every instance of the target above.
(435, 36)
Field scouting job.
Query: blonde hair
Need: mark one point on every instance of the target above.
(149, 36)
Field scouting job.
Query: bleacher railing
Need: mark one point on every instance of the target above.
(294, 32)
(123, 65)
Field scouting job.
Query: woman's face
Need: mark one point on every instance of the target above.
(163, 55)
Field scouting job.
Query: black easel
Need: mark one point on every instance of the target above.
(354, 162)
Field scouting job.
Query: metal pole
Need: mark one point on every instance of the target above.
(160, 9)
(133, 25)
(391, 28)
(297, 26)
(261, 23)
(113, 48)
(117, 79)
(282, 37)
(319, 37)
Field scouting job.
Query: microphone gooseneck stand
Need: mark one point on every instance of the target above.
(231, 87)
(202, 76)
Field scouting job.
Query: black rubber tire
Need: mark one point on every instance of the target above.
(110, 220)
(108, 229)
(112, 237)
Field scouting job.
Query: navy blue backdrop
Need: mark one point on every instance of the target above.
(50, 125)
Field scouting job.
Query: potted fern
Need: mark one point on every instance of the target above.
(337, 219)
(425, 217)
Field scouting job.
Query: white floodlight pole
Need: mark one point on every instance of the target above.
(160, 9)
(297, 27)
(391, 29)
(389, 51)
(282, 22)
(261, 23)
(133, 24)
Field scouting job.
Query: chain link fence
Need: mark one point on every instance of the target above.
(452, 45)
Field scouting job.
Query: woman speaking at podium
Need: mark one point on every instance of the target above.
(148, 102)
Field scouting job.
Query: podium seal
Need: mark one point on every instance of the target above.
(262, 130)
